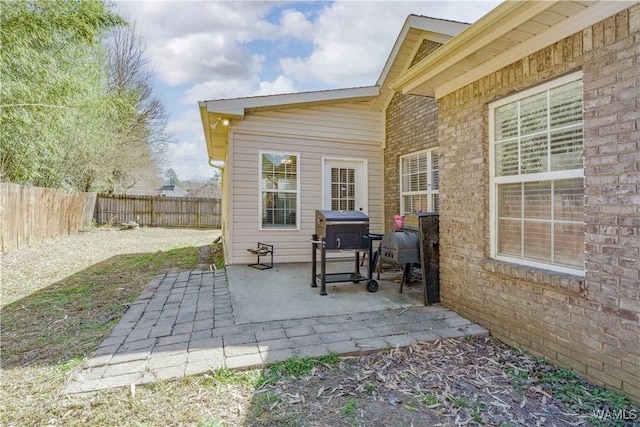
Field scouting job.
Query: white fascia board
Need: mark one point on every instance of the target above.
(237, 106)
(581, 20)
(441, 30)
(499, 21)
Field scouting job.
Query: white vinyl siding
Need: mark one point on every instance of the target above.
(352, 122)
(537, 187)
(419, 182)
(308, 133)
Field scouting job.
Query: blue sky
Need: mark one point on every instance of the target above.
(203, 50)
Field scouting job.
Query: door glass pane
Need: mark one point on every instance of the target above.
(343, 189)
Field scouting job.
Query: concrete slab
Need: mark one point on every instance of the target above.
(270, 316)
(284, 293)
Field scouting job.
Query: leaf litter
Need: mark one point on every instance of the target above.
(446, 382)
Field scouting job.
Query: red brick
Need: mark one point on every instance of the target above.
(632, 388)
(604, 378)
(631, 369)
(603, 358)
(573, 363)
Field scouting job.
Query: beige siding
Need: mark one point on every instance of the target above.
(346, 122)
(227, 211)
(314, 133)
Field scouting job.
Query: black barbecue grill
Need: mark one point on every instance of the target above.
(415, 244)
(400, 247)
(339, 231)
(342, 230)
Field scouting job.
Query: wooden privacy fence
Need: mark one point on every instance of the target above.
(186, 212)
(31, 215)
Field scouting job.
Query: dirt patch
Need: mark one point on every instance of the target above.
(36, 267)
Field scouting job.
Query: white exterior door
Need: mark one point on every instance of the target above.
(345, 185)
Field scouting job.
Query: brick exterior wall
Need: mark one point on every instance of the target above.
(591, 323)
(425, 49)
(411, 125)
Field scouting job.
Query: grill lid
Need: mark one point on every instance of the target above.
(399, 241)
(400, 247)
(340, 216)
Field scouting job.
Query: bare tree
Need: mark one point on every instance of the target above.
(141, 118)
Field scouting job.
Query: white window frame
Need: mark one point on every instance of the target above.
(429, 192)
(495, 181)
(261, 226)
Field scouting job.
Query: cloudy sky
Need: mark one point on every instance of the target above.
(204, 50)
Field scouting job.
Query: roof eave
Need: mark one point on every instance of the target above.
(213, 112)
(424, 77)
(423, 23)
(468, 41)
(237, 106)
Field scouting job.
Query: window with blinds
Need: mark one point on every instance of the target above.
(279, 184)
(419, 182)
(537, 176)
(343, 189)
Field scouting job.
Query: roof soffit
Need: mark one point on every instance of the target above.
(237, 107)
(509, 32)
(414, 31)
(503, 18)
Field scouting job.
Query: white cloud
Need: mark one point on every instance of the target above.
(165, 20)
(232, 49)
(199, 56)
(281, 84)
(192, 41)
(350, 41)
(219, 89)
(353, 39)
(295, 24)
(189, 159)
(187, 122)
